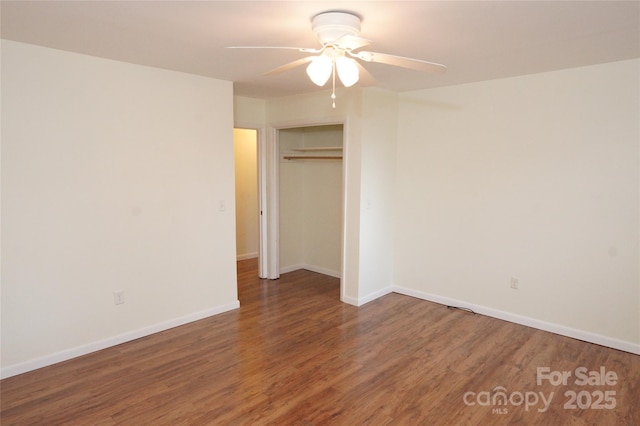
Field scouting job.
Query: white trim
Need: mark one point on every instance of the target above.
(312, 268)
(263, 202)
(247, 256)
(349, 300)
(290, 268)
(324, 271)
(372, 296)
(67, 354)
(562, 330)
(368, 298)
(346, 169)
(271, 208)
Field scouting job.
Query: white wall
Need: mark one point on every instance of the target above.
(322, 204)
(112, 175)
(534, 177)
(378, 171)
(249, 112)
(247, 206)
(291, 217)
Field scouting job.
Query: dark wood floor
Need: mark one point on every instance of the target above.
(293, 354)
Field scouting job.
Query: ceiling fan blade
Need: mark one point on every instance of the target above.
(290, 65)
(401, 61)
(299, 49)
(366, 79)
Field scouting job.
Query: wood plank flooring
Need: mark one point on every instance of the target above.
(293, 354)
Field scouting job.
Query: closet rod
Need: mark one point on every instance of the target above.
(312, 157)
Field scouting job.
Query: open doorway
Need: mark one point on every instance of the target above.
(247, 194)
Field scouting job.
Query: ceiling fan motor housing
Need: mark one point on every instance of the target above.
(331, 26)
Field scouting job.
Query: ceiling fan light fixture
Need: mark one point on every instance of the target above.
(348, 71)
(331, 26)
(319, 70)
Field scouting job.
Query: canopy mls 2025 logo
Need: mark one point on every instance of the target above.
(499, 399)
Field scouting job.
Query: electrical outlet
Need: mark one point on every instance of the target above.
(222, 205)
(515, 283)
(118, 297)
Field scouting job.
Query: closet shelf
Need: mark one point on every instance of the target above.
(313, 157)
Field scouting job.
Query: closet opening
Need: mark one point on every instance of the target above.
(310, 198)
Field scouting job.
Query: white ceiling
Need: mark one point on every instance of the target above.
(477, 40)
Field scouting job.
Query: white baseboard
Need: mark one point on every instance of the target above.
(368, 298)
(23, 367)
(247, 256)
(562, 330)
(349, 300)
(290, 268)
(312, 268)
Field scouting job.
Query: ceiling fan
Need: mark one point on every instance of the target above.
(338, 33)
